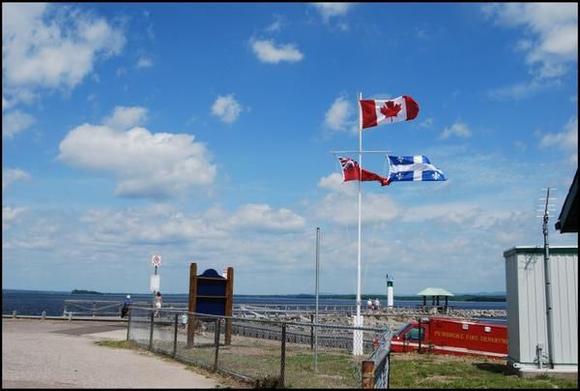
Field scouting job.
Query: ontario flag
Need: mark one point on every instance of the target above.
(387, 111)
(351, 172)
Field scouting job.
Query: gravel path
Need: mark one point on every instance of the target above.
(62, 354)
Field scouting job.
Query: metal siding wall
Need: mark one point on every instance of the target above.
(564, 272)
(532, 306)
(513, 321)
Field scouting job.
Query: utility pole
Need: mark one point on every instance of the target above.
(547, 279)
(316, 309)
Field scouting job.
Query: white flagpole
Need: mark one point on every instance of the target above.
(357, 335)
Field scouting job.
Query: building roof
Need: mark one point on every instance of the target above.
(434, 292)
(539, 250)
(568, 219)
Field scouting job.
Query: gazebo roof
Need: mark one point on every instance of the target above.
(434, 292)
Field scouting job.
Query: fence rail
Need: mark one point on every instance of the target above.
(268, 353)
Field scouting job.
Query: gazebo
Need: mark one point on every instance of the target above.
(435, 293)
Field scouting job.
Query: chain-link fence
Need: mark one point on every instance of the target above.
(266, 353)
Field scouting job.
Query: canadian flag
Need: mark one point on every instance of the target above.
(377, 112)
(351, 171)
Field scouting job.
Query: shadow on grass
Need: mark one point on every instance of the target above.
(493, 368)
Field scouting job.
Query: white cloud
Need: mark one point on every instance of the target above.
(566, 140)
(342, 208)
(165, 224)
(520, 90)
(15, 122)
(427, 123)
(146, 164)
(267, 51)
(465, 214)
(335, 183)
(9, 215)
(552, 29)
(339, 116)
(459, 129)
(262, 216)
(144, 62)
(50, 46)
(11, 175)
(276, 25)
(329, 10)
(124, 118)
(226, 108)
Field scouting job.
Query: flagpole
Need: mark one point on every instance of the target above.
(357, 335)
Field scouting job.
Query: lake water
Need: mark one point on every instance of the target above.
(34, 302)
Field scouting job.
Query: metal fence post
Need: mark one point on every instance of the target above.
(175, 336)
(217, 344)
(129, 325)
(368, 374)
(94, 308)
(151, 331)
(283, 356)
(312, 332)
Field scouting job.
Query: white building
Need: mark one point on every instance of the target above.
(526, 309)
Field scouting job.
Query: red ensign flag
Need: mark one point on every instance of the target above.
(351, 171)
(376, 112)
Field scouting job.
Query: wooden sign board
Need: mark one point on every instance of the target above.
(212, 294)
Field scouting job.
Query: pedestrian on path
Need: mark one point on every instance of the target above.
(126, 306)
(157, 303)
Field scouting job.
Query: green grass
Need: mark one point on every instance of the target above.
(438, 371)
(260, 360)
(117, 344)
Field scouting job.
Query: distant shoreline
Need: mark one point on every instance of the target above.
(85, 292)
(480, 297)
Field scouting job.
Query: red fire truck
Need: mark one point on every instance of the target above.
(452, 336)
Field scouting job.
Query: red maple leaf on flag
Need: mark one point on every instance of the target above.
(390, 109)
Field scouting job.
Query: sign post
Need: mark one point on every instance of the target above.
(154, 284)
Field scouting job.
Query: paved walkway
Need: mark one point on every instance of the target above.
(62, 354)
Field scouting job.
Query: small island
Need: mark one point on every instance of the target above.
(84, 292)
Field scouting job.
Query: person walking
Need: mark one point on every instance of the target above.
(157, 303)
(126, 306)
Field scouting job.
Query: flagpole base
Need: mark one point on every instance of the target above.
(357, 336)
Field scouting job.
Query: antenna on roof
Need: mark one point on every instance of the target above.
(549, 316)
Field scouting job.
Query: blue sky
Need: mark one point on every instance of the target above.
(202, 132)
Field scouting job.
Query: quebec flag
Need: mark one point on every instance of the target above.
(413, 168)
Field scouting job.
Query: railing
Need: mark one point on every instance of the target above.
(265, 353)
(104, 307)
(376, 370)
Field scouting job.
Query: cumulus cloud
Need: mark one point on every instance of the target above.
(166, 224)
(339, 116)
(124, 117)
(340, 205)
(226, 108)
(15, 122)
(566, 140)
(48, 46)
(459, 129)
(9, 215)
(269, 52)
(264, 217)
(551, 44)
(144, 62)
(11, 175)
(334, 182)
(329, 10)
(154, 165)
